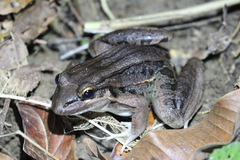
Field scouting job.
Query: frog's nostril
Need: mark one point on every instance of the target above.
(70, 102)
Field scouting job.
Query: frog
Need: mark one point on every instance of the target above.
(129, 75)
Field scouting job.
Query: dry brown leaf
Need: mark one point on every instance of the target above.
(45, 129)
(24, 79)
(216, 42)
(12, 6)
(5, 157)
(13, 53)
(181, 144)
(218, 126)
(92, 149)
(117, 151)
(151, 118)
(35, 20)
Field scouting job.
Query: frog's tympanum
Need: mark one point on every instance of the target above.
(128, 76)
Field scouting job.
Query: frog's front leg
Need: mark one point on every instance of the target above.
(175, 103)
(139, 113)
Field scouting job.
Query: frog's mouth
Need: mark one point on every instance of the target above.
(71, 102)
(76, 106)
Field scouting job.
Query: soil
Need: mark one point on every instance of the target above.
(221, 70)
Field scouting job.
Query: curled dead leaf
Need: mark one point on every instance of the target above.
(24, 79)
(221, 125)
(44, 128)
(218, 126)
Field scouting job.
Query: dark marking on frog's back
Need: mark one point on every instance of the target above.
(137, 74)
(167, 72)
(167, 86)
(133, 89)
(158, 64)
(107, 64)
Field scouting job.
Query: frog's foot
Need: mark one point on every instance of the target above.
(130, 138)
(126, 133)
(123, 134)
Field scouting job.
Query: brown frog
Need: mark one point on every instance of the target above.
(127, 77)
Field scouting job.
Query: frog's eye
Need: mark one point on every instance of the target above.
(87, 93)
(57, 79)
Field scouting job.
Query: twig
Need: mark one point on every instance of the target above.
(237, 52)
(40, 41)
(47, 105)
(101, 26)
(59, 41)
(4, 113)
(31, 141)
(236, 31)
(192, 24)
(106, 9)
(75, 13)
(95, 124)
(100, 127)
(74, 51)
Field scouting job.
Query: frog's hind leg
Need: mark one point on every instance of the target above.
(175, 101)
(189, 89)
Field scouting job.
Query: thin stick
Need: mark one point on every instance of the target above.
(47, 105)
(193, 24)
(100, 127)
(194, 11)
(4, 113)
(236, 31)
(30, 140)
(75, 13)
(106, 9)
(74, 51)
(95, 124)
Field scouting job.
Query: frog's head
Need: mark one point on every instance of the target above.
(71, 99)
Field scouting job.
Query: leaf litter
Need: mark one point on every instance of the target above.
(18, 77)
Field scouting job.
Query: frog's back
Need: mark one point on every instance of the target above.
(138, 78)
(119, 62)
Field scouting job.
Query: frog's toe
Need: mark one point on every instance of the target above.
(123, 134)
(130, 139)
(128, 134)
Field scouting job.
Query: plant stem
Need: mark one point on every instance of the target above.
(190, 12)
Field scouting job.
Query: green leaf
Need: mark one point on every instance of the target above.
(228, 152)
(84, 42)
